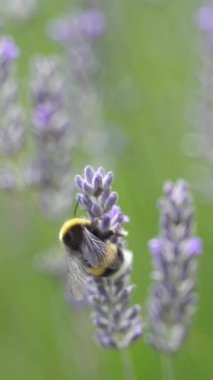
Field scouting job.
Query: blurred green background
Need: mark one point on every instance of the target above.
(41, 336)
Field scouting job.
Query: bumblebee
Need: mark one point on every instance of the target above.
(88, 252)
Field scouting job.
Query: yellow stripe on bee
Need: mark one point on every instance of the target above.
(108, 260)
(111, 254)
(69, 224)
(98, 271)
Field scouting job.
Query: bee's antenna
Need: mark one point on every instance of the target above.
(76, 207)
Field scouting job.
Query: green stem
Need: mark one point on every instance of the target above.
(127, 365)
(167, 368)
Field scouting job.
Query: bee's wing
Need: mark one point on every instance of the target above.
(94, 250)
(76, 277)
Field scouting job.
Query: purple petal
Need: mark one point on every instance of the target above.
(89, 173)
(155, 246)
(106, 340)
(135, 334)
(125, 293)
(121, 218)
(8, 48)
(95, 210)
(133, 312)
(194, 246)
(168, 188)
(88, 188)
(101, 323)
(44, 113)
(110, 201)
(79, 182)
(85, 202)
(106, 193)
(205, 18)
(97, 182)
(92, 23)
(101, 171)
(107, 180)
(105, 224)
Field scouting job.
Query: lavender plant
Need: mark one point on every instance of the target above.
(53, 136)
(175, 253)
(118, 325)
(197, 142)
(78, 33)
(12, 131)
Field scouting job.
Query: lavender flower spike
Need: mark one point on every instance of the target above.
(175, 254)
(12, 122)
(198, 141)
(53, 136)
(8, 53)
(118, 325)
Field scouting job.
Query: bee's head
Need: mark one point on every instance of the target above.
(73, 237)
(71, 233)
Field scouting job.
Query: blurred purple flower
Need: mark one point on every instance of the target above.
(193, 246)
(8, 53)
(205, 18)
(92, 23)
(8, 50)
(198, 142)
(155, 246)
(44, 113)
(173, 299)
(78, 25)
(78, 33)
(12, 122)
(53, 136)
